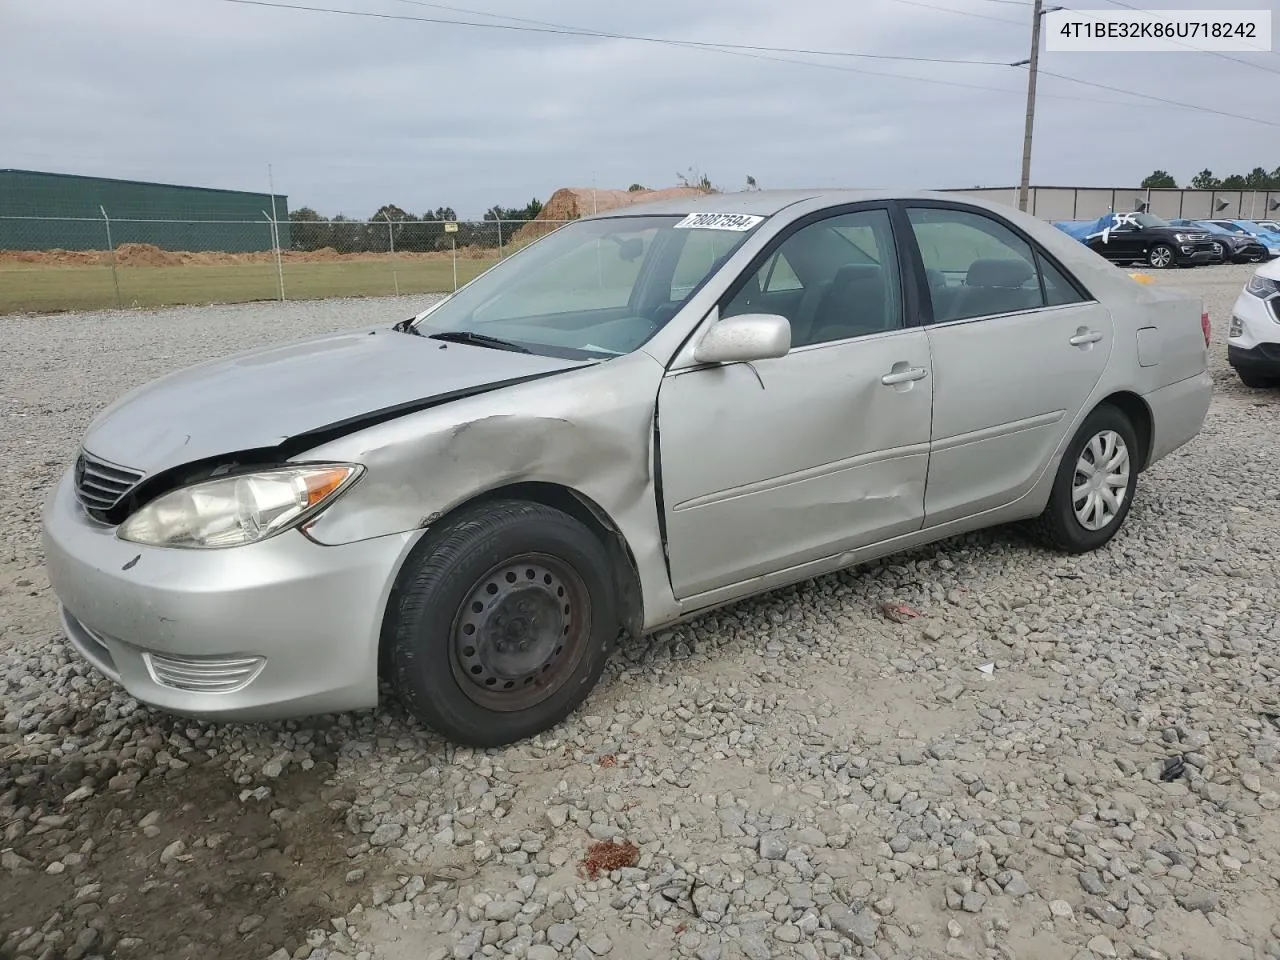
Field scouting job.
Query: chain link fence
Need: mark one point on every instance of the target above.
(52, 264)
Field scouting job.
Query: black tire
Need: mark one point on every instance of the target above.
(1162, 257)
(1257, 381)
(1059, 526)
(484, 688)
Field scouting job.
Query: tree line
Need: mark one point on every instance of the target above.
(392, 227)
(1256, 179)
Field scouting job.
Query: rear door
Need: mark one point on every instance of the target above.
(1017, 350)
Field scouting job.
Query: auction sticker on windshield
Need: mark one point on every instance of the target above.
(741, 222)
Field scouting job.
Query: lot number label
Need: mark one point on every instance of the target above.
(740, 222)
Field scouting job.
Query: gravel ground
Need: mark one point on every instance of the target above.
(794, 776)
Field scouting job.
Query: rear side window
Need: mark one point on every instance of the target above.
(978, 267)
(1058, 291)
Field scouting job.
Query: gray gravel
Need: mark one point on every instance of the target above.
(799, 776)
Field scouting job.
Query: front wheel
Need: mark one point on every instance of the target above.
(1095, 484)
(503, 624)
(1161, 256)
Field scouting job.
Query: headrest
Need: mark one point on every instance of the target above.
(853, 272)
(992, 272)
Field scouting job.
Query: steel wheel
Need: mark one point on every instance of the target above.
(521, 632)
(1161, 256)
(1101, 480)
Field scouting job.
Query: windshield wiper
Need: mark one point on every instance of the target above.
(478, 340)
(406, 326)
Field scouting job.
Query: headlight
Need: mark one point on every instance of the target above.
(245, 508)
(1262, 287)
(1181, 237)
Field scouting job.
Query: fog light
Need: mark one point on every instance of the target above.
(1236, 328)
(203, 674)
(1187, 248)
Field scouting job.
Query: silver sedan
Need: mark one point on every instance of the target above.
(644, 415)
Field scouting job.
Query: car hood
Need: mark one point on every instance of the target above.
(261, 398)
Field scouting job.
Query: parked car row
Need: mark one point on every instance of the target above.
(1161, 244)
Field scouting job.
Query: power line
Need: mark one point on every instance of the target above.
(962, 13)
(1213, 53)
(1164, 100)
(752, 52)
(579, 32)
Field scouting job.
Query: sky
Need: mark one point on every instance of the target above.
(348, 113)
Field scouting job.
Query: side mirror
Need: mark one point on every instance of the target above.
(746, 337)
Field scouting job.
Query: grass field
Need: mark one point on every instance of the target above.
(45, 288)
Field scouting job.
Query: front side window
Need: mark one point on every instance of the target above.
(594, 288)
(833, 279)
(702, 250)
(978, 267)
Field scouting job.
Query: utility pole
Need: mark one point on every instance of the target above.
(1033, 66)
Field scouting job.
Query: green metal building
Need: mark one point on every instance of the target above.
(59, 211)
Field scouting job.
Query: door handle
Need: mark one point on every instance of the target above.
(1085, 337)
(904, 376)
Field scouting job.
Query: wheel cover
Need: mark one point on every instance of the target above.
(1161, 257)
(1101, 480)
(521, 632)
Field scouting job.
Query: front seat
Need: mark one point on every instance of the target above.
(855, 304)
(996, 285)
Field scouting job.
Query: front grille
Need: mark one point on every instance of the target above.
(101, 485)
(1196, 237)
(203, 674)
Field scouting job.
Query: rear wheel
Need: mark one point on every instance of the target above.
(1095, 484)
(1161, 256)
(504, 623)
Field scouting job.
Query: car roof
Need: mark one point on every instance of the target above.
(763, 203)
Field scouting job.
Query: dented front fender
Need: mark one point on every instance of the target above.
(589, 431)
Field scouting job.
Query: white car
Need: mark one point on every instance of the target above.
(1253, 341)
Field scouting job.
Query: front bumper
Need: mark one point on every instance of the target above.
(277, 629)
(1249, 252)
(1254, 331)
(1263, 359)
(1196, 253)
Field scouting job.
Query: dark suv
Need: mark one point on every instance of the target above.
(1154, 241)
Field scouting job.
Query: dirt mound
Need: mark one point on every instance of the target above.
(58, 257)
(569, 203)
(145, 255)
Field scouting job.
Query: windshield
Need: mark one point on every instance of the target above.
(1228, 225)
(593, 288)
(1251, 226)
(1149, 220)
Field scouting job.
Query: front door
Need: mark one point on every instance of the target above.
(1017, 351)
(771, 464)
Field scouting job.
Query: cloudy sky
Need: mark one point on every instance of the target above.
(354, 112)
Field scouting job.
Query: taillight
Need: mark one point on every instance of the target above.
(1204, 325)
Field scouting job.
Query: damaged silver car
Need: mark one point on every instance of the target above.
(641, 416)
